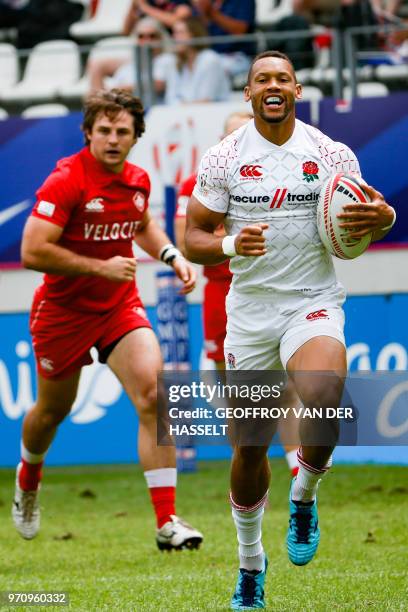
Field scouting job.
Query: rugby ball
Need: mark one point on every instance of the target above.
(339, 190)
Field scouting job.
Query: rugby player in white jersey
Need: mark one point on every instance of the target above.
(284, 308)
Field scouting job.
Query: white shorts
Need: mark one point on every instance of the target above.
(263, 332)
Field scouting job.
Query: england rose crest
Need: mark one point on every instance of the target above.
(310, 171)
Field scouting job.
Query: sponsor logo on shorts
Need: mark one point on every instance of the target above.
(46, 208)
(46, 364)
(251, 171)
(231, 362)
(95, 205)
(317, 314)
(139, 200)
(252, 199)
(292, 198)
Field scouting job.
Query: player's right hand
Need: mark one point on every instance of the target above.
(119, 269)
(250, 241)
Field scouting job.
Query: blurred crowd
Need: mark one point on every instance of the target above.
(187, 68)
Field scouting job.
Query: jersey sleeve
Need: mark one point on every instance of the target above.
(211, 188)
(338, 156)
(57, 197)
(145, 184)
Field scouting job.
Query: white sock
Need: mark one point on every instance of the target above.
(163, 477)
(248, 523)
(291, 458)
(307, 480)
(305, 486)
(32, 458)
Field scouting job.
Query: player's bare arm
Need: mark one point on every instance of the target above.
(180, 230)
(179, 233)
(376, 218)
(152, 239)
(204, 245)
(40, 251)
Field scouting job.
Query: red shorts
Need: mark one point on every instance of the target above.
(62, 338)
(215, 318)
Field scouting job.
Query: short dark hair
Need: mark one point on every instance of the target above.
(111, 103)
(277, 54)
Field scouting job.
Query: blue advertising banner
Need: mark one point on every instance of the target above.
(29, 149)
(102, 426)
(379, 138)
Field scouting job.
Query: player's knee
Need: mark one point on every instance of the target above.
(147, 402)
(250, 455)
(315, 394)
(52, 417)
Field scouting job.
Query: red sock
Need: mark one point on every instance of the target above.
(164, 503)
(30, 475)
(295, 470)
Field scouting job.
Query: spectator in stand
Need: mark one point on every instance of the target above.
(317, 11)
(44, 20)
(196, 74)
(354, 13)
(167, 12)
(300, 50)
(122, 72)
(386, 8)
(229, 17)
(12, 12)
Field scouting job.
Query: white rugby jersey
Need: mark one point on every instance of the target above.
(253, 180)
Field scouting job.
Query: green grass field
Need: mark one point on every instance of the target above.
(97, 542)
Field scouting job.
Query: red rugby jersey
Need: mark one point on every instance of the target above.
(219, 272)
(99, 212)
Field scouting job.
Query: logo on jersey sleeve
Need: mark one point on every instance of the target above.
(95, 206)
(46, 208)
(310, 171)
(139, 200)
(251, 171)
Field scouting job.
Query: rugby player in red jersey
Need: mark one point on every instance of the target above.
(80, 233)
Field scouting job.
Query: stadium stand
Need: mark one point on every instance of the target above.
(107, 21)
(38, 111)
(389, 73)
(269, 12)
(50, 65)
(52, 70)
(370, 89)
(120, 47)
(8, 65)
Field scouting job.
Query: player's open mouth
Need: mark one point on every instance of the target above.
(273, 101)
(112, 152)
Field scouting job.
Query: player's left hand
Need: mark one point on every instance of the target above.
(186, 273)
(363, 219)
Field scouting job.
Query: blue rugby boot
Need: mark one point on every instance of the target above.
(249, 592)
(303, 534)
